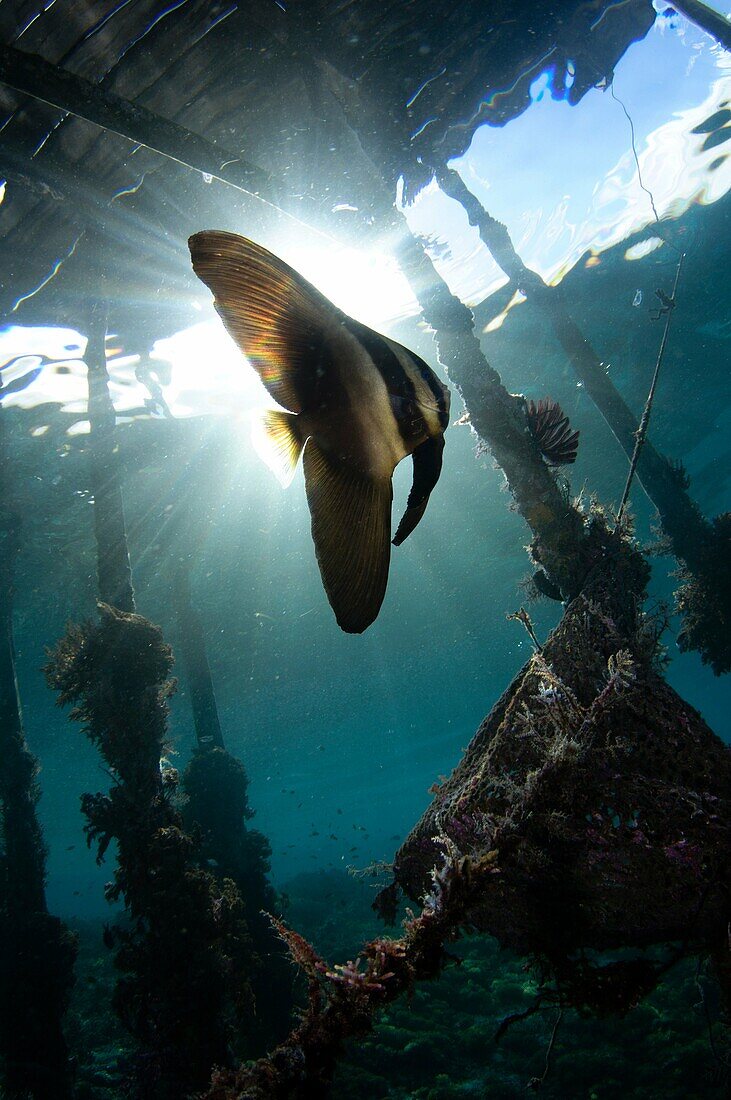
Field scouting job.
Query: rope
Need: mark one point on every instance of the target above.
(668, 306)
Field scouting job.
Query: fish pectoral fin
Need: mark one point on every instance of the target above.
(351, 528)
(277, 441)
(275, 316)
(427, 468)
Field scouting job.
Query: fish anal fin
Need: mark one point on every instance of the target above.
(427, 460)
(277, 318)
(351, 529)
(276, 438)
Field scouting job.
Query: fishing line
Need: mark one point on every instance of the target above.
(633, 142)
(627, 115)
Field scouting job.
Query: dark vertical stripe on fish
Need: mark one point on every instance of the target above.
(434, 385)
(398, 384)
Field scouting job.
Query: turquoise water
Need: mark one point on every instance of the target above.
(342, 736)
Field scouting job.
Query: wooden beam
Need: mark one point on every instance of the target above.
(712, 22)
(36, 77)
(688, 530)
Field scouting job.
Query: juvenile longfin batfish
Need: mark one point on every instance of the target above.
(356, 402)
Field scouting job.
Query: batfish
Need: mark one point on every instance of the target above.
(357, 403)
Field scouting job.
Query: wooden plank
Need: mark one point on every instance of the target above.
(33, 76)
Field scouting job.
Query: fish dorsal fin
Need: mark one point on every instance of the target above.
(427, 467)
(351, 529)
(275, 316)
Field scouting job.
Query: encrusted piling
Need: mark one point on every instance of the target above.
(702, 548)
(184, 954)
(180, 984)
(500, 418)
(604, 796)
(715, 24)
(217, 810)
(38, 951)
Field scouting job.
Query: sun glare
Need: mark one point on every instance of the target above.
(210, 375)
(367, 285)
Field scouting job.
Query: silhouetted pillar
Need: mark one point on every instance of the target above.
(115, 576)
(195, 662)
(499, 418)
(37, 953)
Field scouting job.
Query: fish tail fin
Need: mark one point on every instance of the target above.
(278, 442)
(351, 527)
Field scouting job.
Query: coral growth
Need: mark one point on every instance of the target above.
(183, 952)
(605, 797)
(343, 999)
(591, 810)
(704, 600)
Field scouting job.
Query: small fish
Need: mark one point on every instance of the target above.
(358, 403)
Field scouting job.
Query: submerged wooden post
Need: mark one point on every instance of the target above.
(38, 952)
(115, 575)
(184, 959)
(197, 670)
(560, 544)
(215, 782)
(701, 546)
(654, 471)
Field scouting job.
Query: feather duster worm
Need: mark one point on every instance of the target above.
(552, 432)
